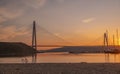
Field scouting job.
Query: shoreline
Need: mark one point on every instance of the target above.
(60, 68)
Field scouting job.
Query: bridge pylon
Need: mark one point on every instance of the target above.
(34, 42)
(106, 39)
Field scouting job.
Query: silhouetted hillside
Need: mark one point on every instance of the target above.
(15, 49)
(81, 49)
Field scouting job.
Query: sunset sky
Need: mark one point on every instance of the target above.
(80, 22)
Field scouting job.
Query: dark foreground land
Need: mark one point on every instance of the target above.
(80, 68)
(18, 49)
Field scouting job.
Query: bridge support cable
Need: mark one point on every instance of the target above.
(95, 40)
(56, 36)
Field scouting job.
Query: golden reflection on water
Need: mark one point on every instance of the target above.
(67, 58)
(77, 58)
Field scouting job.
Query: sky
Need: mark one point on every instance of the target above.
(78, 22)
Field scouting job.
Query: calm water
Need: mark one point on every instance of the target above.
(67, 58)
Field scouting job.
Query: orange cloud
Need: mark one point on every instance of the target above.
(11, 32)
(2, 19)
(7, 14)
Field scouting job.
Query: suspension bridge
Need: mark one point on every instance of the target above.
(54, 36)
(82, 49)
(104, 38)
(35, 45)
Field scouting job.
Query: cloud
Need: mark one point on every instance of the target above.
(6, 13)
(22, 3)
(35, 3)
(60, 1)
(11, 32)
(57, 34)
(13, 9)
(6, 33)
(2, 19)
(88, 20)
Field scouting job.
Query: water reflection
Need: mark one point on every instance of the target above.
(66, 58)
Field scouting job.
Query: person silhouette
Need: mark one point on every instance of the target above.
(26, 61)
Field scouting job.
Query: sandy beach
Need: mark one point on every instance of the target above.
(60, 68)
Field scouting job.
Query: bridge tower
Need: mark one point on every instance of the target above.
(113, 40)
(34, 42)
(117, 35)
(106, 39)
(106, 45)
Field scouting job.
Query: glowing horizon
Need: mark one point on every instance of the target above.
(80, 22)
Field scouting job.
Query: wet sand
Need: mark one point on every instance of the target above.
(60, 68)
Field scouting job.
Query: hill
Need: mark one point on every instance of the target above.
(8, 49)
(82, 49)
